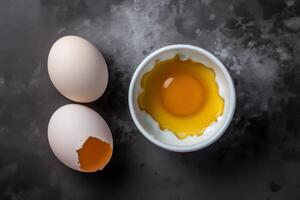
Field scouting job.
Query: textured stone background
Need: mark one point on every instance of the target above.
(257, 40)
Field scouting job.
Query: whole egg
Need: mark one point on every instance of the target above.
(77, 69)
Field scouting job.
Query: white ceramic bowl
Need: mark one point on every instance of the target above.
(164, 138)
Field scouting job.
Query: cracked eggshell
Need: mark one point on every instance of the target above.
(77, 69)
(70, 126)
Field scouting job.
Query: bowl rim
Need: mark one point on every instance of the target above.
(193, 147)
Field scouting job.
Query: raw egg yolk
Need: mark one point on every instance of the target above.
(181, 96)
(94, 154)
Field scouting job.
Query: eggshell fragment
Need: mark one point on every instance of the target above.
(70, 127)
(77, 69)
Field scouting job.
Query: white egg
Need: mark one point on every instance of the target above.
(75, 129)
(77, 69)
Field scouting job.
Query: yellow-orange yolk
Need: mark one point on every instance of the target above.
(181, 96)
(94, 154)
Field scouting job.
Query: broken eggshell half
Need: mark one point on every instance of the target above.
(80, 138)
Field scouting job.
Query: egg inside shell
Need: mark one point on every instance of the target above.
(80, 138)
(77, 69)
